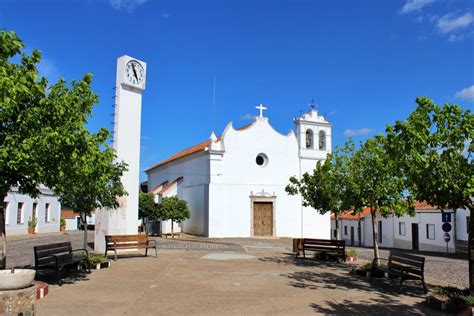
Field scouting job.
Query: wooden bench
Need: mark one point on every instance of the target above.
(59, 256)
(114, 242)
(322, 245)
(403, 266)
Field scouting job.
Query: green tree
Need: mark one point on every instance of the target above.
(377, 183)
(174, 209)
(326, 188)
(40, 126)
(434, 147)
(92, 178)
(147, 208)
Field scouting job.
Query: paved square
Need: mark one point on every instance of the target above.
(182, 282)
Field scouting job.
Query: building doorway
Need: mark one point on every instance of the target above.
(414, 236)
(352, 236)
(263, 219)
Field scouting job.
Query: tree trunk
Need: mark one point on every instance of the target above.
(84, 221)
(336, 217)
(3, 235)
(374, 235)
(471, 249)
(172, 229)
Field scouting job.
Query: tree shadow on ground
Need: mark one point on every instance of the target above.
(68, 276)
(385, 306)
(337, 276)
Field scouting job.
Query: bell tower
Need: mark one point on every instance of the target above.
(314, 134)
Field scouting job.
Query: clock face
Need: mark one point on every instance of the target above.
(134, 72)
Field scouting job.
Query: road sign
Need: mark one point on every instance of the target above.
(446, 217)
(447, 237)
(447, 227)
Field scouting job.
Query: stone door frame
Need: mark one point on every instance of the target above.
(262, 197)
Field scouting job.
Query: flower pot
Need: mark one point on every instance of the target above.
(351, 259)
(19, 279)
(101, 265)
(62, 228)
(31, 231)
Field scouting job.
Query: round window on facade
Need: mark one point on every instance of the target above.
(261, 160)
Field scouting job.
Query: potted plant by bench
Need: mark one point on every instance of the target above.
(351, 255)
(32, 222)
(98, 262)
(366, 270)
(62, 225)
(450, 299)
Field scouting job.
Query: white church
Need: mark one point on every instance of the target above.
(235, 183)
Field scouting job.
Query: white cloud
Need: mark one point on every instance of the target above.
(450, 22)
(48, 69)
(455, 38)
(356, 132)
(164, 15)
(127, 5)
(247, 117)
(414, 5)
(466, 93)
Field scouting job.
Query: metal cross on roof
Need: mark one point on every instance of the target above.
(261, 108)
(312, 104)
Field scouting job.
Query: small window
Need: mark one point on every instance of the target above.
(309, 139)
(6, 212)
(335, 233)
(401, 229)
(322, 140)
(46, 213)
(430, 231)
(19, 213)
(261, 160)
(345, 230)
(35, 210)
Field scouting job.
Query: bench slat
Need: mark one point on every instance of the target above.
(408, 262)
(406, 256)
(124, 238)
(52, 251)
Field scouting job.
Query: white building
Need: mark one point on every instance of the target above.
(19, 208)
(462, 230)
(422, 232)
(235, 183)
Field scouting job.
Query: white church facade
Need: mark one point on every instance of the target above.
(235, 183)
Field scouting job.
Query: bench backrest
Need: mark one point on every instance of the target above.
(408, 262)
(324, 242)
(43, 253)
(110, 239)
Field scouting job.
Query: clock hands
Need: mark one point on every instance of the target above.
(134, 72)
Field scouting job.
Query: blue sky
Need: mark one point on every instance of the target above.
(364, 62)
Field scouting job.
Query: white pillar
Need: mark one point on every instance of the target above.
(126, 141)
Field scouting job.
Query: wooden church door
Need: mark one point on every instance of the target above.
(263, 219)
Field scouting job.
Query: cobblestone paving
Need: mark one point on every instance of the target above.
(20, 248)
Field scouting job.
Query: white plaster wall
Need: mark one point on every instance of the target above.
(195, 172)
(347, 237)
(461, 224)
(43, 226)
(387, 231)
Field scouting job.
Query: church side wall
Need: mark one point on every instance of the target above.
(195, 172)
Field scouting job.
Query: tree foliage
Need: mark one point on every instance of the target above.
(174, 209)
(147, 208)
(326, 189)
(377, 183)
(433, 146)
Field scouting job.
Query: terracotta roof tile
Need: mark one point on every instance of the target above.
(191, 150)
(169, 186)
(158, 186)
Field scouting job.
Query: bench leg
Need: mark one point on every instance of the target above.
(115, 251)
(58, 275)
(146, 252)
(424, 285)
(156, 252)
